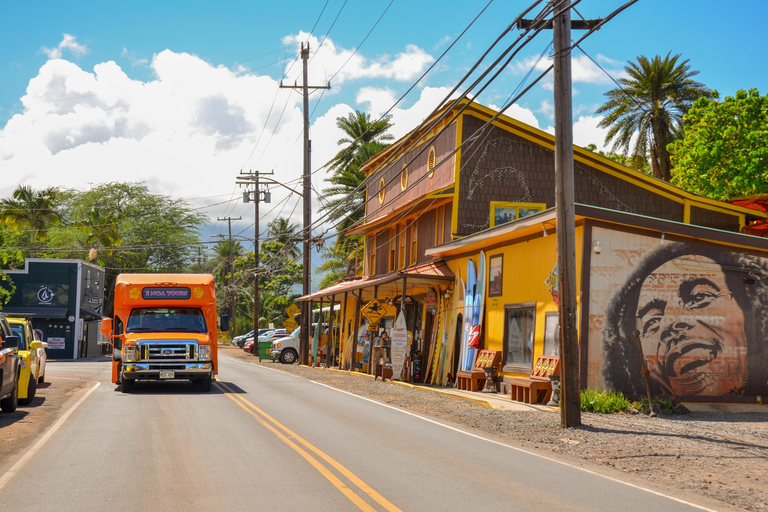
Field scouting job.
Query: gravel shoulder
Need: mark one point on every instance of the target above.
(719, 456)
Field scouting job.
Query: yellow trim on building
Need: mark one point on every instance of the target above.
(456, 175)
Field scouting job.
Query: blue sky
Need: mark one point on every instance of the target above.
(183, 95)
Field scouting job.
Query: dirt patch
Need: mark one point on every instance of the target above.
(20, 429)
(722, 456)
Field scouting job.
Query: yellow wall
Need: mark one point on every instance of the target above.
(526, 266)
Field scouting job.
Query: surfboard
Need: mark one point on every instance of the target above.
(444, 343)
(468, 310)
(477, 314)
(457, 302)
(399, 346)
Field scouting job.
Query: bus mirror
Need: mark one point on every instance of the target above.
(224, 323)
(106, 326)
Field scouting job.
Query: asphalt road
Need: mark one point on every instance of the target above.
(265, 440)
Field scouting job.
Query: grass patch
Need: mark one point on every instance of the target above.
(605, 402)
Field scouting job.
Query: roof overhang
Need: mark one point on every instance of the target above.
(416, 278)
(36, 312)
(414, 208)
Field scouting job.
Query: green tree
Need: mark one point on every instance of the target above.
(344, 198)
(650, 104)
(31, 212)
(360, 131)
(724, 151)
(636, 163)
(282, 230)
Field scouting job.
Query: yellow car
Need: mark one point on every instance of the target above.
(32, 357)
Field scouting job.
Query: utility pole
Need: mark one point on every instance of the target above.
(570, 400)
(252, 178)
(231, 288)
(306, 308)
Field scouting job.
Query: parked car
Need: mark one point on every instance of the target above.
(32, 358)
(268, 337)
(9, 367)
(240, 340)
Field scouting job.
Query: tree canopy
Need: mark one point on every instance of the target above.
(648, 109)
(724, 151)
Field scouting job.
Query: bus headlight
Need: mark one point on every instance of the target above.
(204, 353)
(130, 353)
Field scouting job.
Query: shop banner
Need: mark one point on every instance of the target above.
(399, 346)
(56, 343)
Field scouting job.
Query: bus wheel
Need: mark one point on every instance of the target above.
(204, 385)
(125, 385)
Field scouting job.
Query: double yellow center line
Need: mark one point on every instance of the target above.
(290, 438)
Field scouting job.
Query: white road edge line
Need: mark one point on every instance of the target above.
(585, 470)
(39, 444)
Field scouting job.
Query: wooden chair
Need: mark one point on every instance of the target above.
(537, 389)
(474, 380)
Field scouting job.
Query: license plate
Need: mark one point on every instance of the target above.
(166, 374)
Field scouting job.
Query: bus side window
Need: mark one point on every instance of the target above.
(118, 330)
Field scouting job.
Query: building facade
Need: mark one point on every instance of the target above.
(65, 299)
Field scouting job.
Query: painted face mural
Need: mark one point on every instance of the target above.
(691, 329)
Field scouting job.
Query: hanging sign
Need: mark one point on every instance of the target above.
(551, 282)
(373, 311)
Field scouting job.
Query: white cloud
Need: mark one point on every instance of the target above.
(378, 100)
(586, 131)
(347, 65)
(67, 43)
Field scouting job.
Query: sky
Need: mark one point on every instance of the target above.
(185, 95)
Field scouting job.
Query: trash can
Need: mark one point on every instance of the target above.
(264, 348)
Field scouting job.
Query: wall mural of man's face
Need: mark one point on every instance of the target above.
(692, 329)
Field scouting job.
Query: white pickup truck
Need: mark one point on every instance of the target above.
(286, 350)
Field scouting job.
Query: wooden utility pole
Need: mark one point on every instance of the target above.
(306, 309)
(570, 401)
(231, 295)
(248, 179)
(570, 388)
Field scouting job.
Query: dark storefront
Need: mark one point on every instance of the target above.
(66, 298)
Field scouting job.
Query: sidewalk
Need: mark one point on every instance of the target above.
(504, 402)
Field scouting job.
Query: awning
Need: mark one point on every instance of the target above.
(91, 315)
(37, 312)
(421, 276)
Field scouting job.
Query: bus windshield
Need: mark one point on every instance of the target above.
(166, 319)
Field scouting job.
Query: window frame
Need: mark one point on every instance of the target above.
(517, 367)
(402, 245)
(392, 249)
(508, 205)
(414, 240)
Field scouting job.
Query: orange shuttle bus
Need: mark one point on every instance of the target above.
(164, 328)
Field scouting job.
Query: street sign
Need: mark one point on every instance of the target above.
(373, 311)
(290, 324)
(292, 310)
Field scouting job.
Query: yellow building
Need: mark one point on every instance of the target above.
(469, 180)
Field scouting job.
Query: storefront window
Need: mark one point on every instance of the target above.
(518, 337)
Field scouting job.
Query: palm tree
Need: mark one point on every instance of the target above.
(32, 211)
(344, 199)
(360, 131)
(101, 230)
(281, 230)
(651, 103)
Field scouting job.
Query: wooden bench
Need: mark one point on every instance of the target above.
(474, 380)
(537, 389)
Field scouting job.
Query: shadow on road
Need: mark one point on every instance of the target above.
(167, 388)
